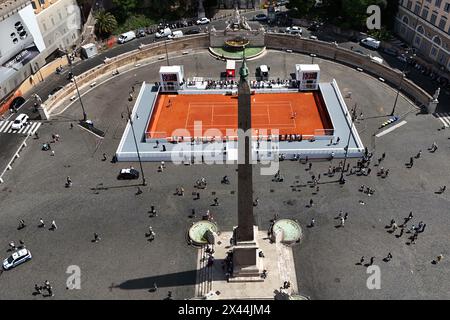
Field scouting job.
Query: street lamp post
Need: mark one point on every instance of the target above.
(400, 84)
(342, 179)
(144, 183)
(72, 76)
(167, 53)
(312, 57)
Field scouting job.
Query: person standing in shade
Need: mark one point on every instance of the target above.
(389, 257)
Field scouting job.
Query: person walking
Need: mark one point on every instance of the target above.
(346, 216)
(139, 191)
(41, 223)
(419, 154)
(361, 261)
(439, 258)
(53, 227)
(216, 202)
(342, 222)
(68, 182)
(37, 289)
(313, 222)
(371, 261)
(96, 237)
(389, 257)
(21, 224)
(401, 232)
(311, 203)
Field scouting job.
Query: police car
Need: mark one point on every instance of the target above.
(128, 174)
(17, 258)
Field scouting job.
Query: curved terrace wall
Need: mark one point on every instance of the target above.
(273, 41)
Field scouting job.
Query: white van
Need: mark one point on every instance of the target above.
(127, 36)
(176, 34)
(371, 43)
(163, 33)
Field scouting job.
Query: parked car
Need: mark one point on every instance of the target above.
(127, 36)
(203, 21)
(313, 37)
(20, 122)
(294, 30)
(163, 33)
(261, 17)
(314, 27)
(55, 90)
(141, 33)
(176, 34)
(371, 43)
(128, 174)
(391, 52)
(192, 31)
(17, 258)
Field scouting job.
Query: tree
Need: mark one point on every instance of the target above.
(105, 23)
(303, 7)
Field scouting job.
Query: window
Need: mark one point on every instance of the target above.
(417, 9)
(442, 23)
(425, 13)
(438, 3)
(433, 18)
(33, 4)
(447, 7)
(409, 5)
(405, 20)
(433, 52)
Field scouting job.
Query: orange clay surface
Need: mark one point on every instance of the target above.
(290, 113)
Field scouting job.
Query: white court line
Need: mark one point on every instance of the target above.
(398, 125)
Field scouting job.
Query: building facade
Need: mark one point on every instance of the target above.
(31, 32)
(425, 25)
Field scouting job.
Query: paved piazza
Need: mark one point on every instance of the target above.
(125, 265)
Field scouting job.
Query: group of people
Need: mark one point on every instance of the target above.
(38, 289)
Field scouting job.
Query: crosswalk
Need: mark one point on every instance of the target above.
(444, 117)
(30, 129)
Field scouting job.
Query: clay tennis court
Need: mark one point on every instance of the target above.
(290, 113)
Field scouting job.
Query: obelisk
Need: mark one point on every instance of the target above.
(247, 266)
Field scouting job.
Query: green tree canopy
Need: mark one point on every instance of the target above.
(105, 23)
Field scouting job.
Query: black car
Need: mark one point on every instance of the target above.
(314, 27)
(192, 31)
(55, 90)
(140, 33)
(128, 174)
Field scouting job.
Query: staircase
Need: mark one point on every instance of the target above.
(204, 274)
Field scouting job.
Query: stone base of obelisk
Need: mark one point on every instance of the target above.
(214, 283)
(247, 265)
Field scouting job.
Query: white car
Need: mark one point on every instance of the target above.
(203, 21)
(17, 258)
(371, 43)
(294, 30)
(20, 122)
